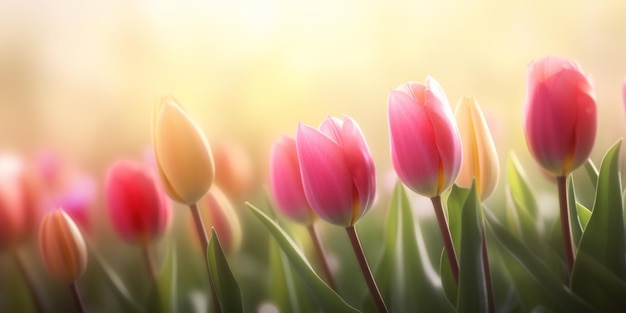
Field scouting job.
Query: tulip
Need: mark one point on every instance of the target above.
(217, 211)
(288, 192)
(138, 208)
(236, 171)
(337, 170)
(426, 146)
(339, 181)
(13, 216)
(560, 114)
(480, 159)
(183, 154)
(62, 246)
(286, 182)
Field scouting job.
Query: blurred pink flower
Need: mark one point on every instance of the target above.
(425, 142)
(13, 216)
(286, 182)
(337, 168)
(137, 207)
(234, 170)
(64, 186)
(559, 115)
(217, 211)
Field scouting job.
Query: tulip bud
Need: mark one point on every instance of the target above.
(235, 174)
(480, 159)
(217, 211)
(286, 182)
(13, 218)
(182, 152)
(337, 169)
(426, 146)
(62, 246)
(559, 115)
(138, 208)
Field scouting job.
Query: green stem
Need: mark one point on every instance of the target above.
(151, 264)
(365, 269)
(447, 238)
(76, 296)
(319, 252)
(566, 230)
(204, 240)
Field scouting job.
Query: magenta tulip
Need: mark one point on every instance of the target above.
(337, 168)
(425, 143)
(286, 182)
(137, 207)
(560, 114)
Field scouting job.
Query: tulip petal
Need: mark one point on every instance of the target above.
(360, 164)
(183, 154)
(413, 159)
(325, 176)
(286, 181)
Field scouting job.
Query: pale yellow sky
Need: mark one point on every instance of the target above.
(83, 75)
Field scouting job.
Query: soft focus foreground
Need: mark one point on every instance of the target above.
(79, 81)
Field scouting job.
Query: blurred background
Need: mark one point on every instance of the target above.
(81, 77)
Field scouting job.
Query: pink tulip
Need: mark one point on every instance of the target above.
(337, 170)
(218, 212)
(425, 143)
(286, 182)
(137, 207)
(13, 216)
(560, 114)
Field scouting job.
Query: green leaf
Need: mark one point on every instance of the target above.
(401, 274)
(472, 284)
(164, 296)
(532, 276)
(226, 286)
(327, 299)
(603, 240)
(447, 278)
(286, 291)
(519, 188)
(592, 172)
(603, 289)
(115, 283)
(455, 203)
(583, 215)
(577, 229)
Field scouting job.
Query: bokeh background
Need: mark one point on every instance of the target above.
(81, 77)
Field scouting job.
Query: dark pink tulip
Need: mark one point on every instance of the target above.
(286, 182)
(425, 143)
(560, 114)
(337, 170)
(137, 207)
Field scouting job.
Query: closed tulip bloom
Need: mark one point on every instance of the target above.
(236, 174)
(426, 146)
(480, 159)
(337, 169)
(138, 208)
(559, 114)
(182, 152)
(13, 216)
(217, 211)
(286, 182)
(62, 246)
